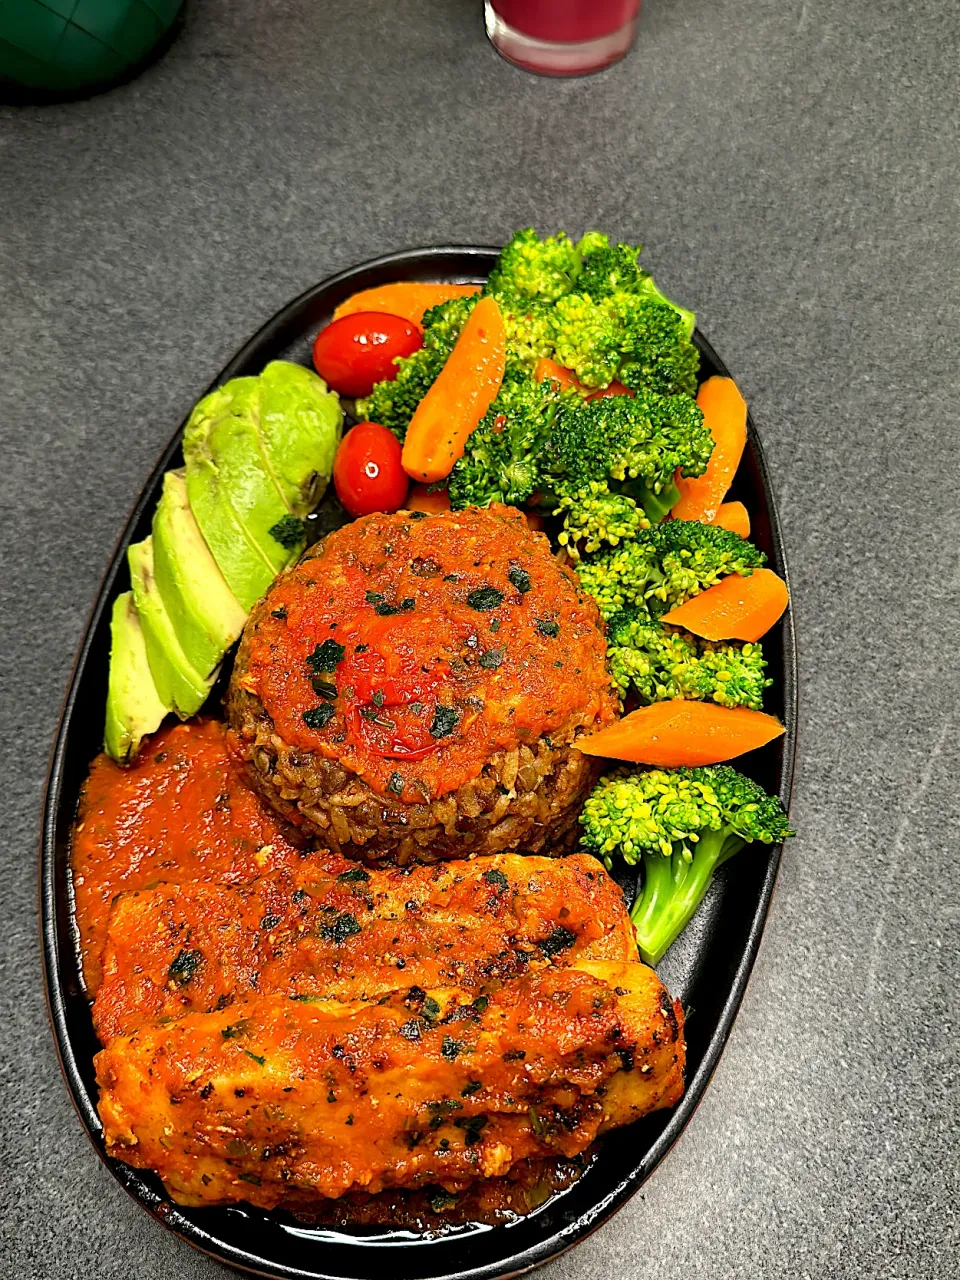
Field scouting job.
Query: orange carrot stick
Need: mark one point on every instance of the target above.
(458, 399)
(733, 516)
(668, 734)
(408, 298)
(422, 498)
(725, 416)
(547, 368)
(736, 608)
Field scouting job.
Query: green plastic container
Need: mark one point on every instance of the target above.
(68, 46)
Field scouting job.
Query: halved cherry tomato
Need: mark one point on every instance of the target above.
(353, 353)
(367, 472)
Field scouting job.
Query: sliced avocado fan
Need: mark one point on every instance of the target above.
(179, 684)
(259, 452)
(134, 708)
(206, 615)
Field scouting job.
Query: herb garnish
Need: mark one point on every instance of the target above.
(520, 578)
(256, 1057)
(395, 784)
(289, 532)
(318, 717)
(280, 613)
(491, 659)
(497, 878)
(471, 1087)
(343, 927)
(326, 656)
(184, 967)
(442, 1200)
(324, 689)
(451, 1048)
(558, 941)
(444, 721)
(236, 1029)
(472, 1127)
(485, 598)
(547, 628)
(355, 873)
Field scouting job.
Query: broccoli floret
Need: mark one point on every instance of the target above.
(665, 565)
(655, 349)
(612, 268)
(638, 338)
(628, 446)
(587, 338)
(681, 824)
(443, 324)
(594, 517)
(661, 662)
(529, 267)
(529, 329)
(501, 460)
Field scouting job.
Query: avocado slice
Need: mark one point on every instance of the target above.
(228, 472)
(206, 615)
(134, 708)
(247, 569)
(300, 427)
(178, 684)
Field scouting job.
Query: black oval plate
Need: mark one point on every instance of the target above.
(707, 968)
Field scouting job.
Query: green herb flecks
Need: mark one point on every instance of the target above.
(354, 874)
(326, 656)
(444, 721)
(520, 578)
(184, 966)
(290, 532)
(344, 926)
(497, 878)
(558, 941)
(318, 717)
(485, 598)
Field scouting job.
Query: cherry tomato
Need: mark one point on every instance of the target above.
(367, 472)
(356, 351)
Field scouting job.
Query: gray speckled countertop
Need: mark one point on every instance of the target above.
(792, 167)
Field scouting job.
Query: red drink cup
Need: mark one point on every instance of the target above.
(562, 37)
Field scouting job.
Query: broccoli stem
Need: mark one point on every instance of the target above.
(657, 506)
(673, 888)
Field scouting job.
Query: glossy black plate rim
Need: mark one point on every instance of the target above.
(473, 265)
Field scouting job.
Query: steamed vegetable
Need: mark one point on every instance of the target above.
(407, 299)
(679, 732)
(679, 825)
(611, 463)
(737, 608)
(733, 516)
(725, 417)
(664, 566)
(458, 399)
(656, 662)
